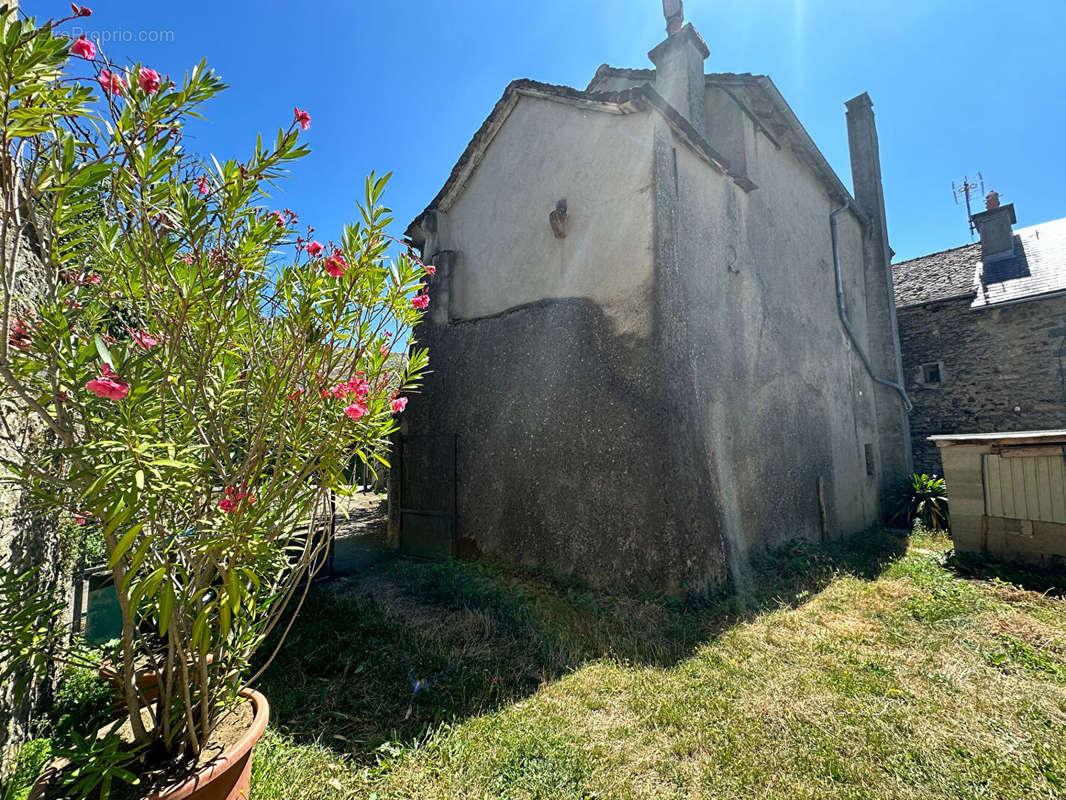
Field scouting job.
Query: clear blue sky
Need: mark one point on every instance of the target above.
(958, 85)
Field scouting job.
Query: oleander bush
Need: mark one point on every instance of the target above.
(205, 369)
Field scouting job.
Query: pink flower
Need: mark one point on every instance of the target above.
(148, 80)
(314, 249)
(108, 385)
(80, 11)
(202, 186)
(292, 397)
(80, 518)
(384, 349)
(233, 498)
(430, 269)
(186, 259)
(335, 264)
(84, 48)
(302, 117)
(279, 218)
(398, 405)
(355, 410)
(144, 339)
(110, 82)
(90, 279)
(420, 301)
(21, 336)
(358, 385)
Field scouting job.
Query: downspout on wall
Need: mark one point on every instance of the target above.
(842, 311)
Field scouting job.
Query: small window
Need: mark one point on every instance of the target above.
(931, 373)
(868, 451)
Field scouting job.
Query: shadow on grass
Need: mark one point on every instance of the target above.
(392, 653)
(1051, 582)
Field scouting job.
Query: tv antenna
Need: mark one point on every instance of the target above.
(966, 191)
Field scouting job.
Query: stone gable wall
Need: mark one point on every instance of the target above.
(1001, 369)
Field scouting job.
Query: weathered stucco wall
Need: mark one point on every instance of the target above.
(1002, 369)
(783, 401)
(546, 152)
(564, 458)
(553, 393)
(663, 390)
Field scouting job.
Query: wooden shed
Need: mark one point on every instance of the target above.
(1007, 494)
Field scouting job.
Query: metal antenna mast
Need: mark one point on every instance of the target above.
(966, 191)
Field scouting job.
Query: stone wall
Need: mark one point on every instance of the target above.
(29, 537)
(1001, 369)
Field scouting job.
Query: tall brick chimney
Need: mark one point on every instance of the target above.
(994, 225)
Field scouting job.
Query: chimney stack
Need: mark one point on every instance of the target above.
(678, 61)
(893, 423)
(994, 225)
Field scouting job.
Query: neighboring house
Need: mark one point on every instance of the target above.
(983, 333)
(639, 370)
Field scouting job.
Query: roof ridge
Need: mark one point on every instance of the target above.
(606, 69)
(936, 253)
(643, 97)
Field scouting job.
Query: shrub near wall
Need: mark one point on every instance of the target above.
(205, 370)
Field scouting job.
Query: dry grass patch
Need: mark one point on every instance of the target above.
(887, 677)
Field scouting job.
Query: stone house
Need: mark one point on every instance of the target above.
(983, 333)
(661, 332)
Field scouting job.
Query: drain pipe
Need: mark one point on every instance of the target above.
(843, 312)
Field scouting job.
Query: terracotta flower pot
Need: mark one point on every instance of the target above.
(147, 682)
(225, 777)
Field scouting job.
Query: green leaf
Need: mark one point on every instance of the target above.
(166, 607)
(124, 544)
(170, 462)
(101, 348)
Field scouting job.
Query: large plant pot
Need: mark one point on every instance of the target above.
(147, 682)
(225, 777)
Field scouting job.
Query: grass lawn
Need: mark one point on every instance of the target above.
(861, 670)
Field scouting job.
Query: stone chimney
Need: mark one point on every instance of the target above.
(883, 345)
(678, 61)
(994, 225)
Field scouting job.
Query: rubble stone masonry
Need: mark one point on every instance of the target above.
(1000, 369)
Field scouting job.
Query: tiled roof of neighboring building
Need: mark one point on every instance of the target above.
(1038, 268)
